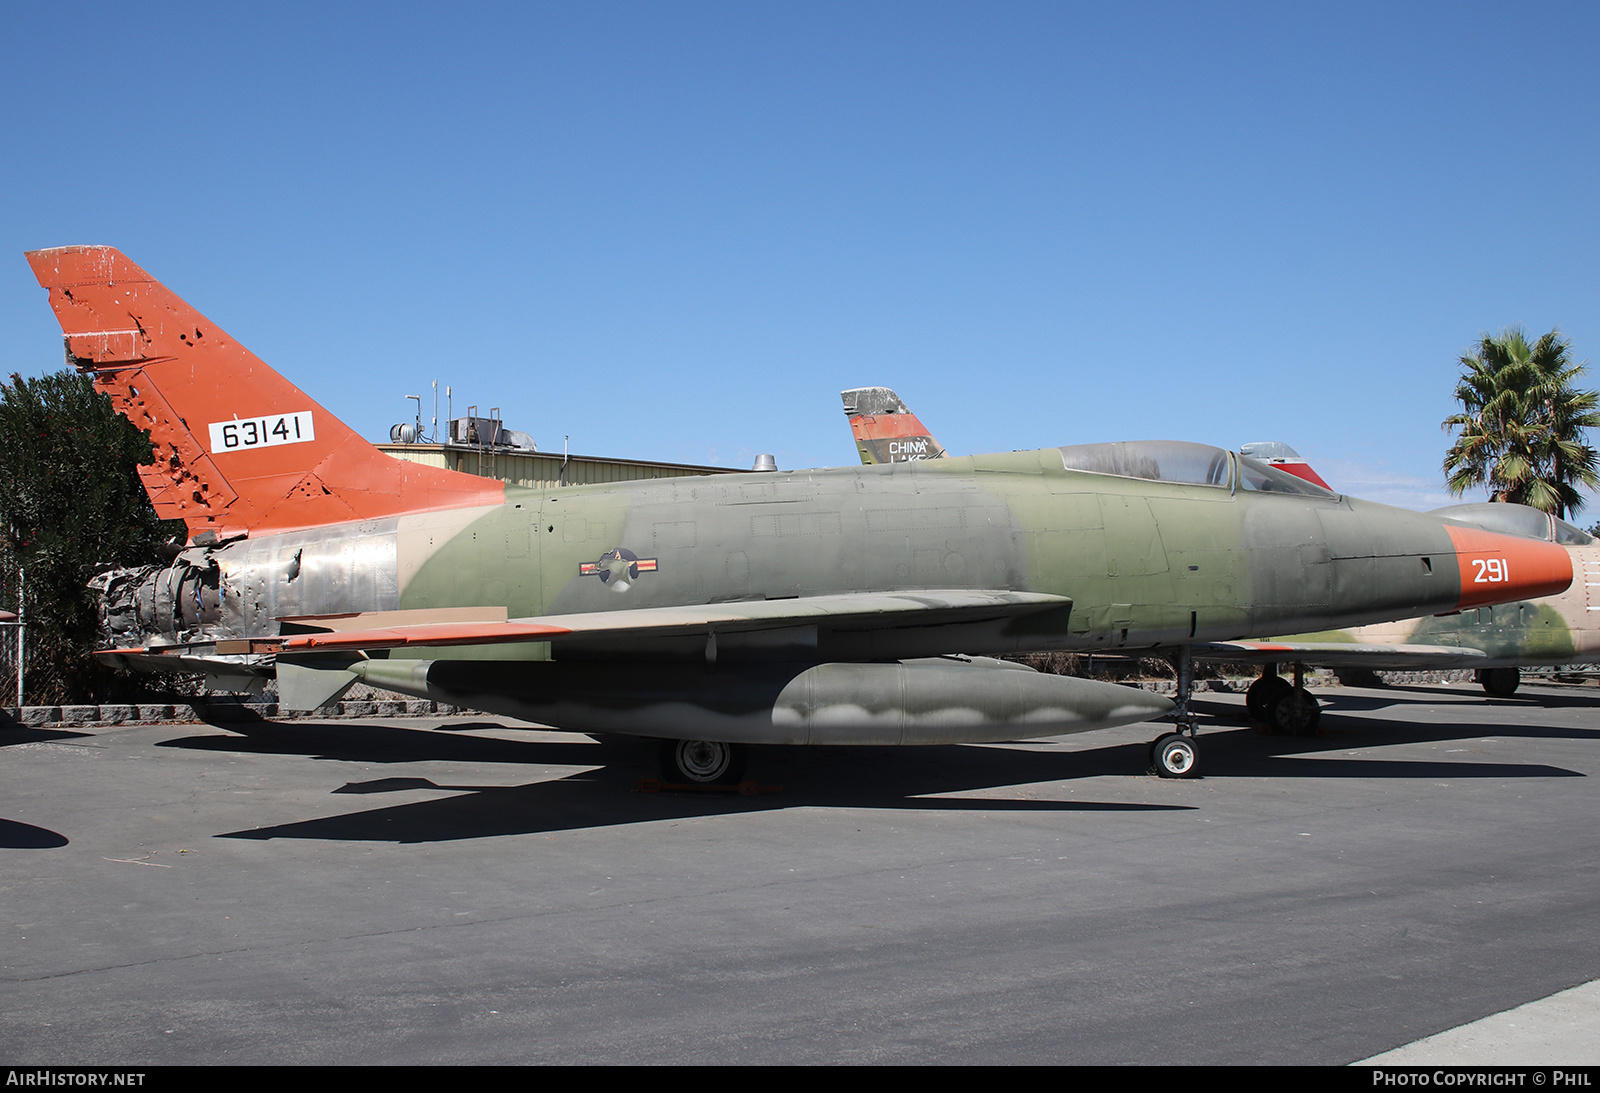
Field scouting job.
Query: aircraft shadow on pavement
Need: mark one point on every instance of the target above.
(606, 795)
(16, 835)
(29, 735)
(1531, 695)
(1348, 723)
(363, 742)
(1526, 700)
(835, 777)
(1410, 721)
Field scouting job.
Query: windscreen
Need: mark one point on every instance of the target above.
(1568, 535)
(1508, 519)
(1153, 460)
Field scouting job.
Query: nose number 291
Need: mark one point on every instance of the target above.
(1491, 571)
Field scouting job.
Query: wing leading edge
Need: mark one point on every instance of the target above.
(1336, 654)
(847, 611)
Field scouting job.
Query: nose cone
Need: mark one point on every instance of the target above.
(1503, 568)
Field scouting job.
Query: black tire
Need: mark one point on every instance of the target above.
(702, 762)
(1263, 696)
(1154, 744)
(1500, 682)
(1297, 713)
(1358, 677)
(1176, 756)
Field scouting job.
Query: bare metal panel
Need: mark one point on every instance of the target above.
(543, 470)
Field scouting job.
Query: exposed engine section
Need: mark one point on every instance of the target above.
(245, 586)
(161, 604)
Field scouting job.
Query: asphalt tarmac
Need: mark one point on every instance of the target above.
(470, 891)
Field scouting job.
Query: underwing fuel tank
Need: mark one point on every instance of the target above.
(929, 701)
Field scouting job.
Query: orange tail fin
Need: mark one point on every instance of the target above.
(239, 449)
(884, 429)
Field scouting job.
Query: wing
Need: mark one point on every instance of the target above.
(853, 611)
(310, 656)
(1334, 654)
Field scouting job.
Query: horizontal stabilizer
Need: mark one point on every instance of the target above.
(314, 683)
(184, 659)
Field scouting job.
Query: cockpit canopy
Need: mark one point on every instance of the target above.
(1185, 462)
(1519, 520)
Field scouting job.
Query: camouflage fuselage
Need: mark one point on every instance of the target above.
(1147, 563)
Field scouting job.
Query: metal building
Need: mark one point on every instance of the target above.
(541, 470)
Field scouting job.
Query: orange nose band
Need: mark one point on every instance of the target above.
(1502, 568)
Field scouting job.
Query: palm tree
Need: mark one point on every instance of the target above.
(1522, 423)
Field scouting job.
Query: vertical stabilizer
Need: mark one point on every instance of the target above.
(884, 429)
(1280, 455)
(238, 448)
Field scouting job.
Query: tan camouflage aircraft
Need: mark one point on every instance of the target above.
(1496, 640)
(845, 606)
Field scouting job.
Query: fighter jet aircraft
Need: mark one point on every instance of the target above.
(1494, 640)
(848, 606)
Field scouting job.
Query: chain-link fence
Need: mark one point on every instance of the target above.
(11, 631)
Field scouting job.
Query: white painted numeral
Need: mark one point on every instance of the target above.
(261, 432)
(1491, 571)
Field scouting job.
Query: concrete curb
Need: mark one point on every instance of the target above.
(208, 711)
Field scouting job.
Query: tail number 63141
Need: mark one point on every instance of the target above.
(1491, 571)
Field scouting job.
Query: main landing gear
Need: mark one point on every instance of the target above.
(1499, 682)
(1287, 707)
(702, 762)
(1176, 754)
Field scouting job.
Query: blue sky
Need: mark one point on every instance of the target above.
(676, 231)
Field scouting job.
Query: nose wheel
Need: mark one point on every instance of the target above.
(1174, 755)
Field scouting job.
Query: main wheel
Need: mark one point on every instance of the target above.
(1176, 756)
(702, 762)
(1499, 682)
(1263, 696)
(1358, 677)
(1297, 713)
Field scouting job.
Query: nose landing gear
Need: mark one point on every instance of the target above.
(1177, 754)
